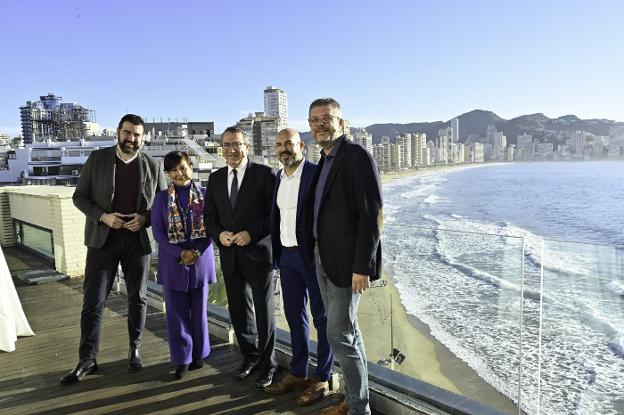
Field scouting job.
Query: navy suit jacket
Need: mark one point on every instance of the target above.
(307, 176)
(350, 218)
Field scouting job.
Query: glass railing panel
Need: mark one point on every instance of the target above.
(457, 310)
(582, 332)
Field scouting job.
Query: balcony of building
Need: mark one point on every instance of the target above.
(463, 322)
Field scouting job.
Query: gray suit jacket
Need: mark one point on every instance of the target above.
(96, 190)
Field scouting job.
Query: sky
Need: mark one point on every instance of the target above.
(384, 61)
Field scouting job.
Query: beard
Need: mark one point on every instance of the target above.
(129, 147)
(327, 142)
(294, 160)
(289, 161)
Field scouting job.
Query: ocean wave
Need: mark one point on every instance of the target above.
(616, 345)
(561, 257)
(478, 362)
(489, 278)
(423, 190)
(433, 199)
(617, 288)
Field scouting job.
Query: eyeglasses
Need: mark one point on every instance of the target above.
(235, 146)
(327, 118)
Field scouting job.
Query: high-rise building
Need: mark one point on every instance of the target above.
(51, 118)
(387, 153)
(378, 156)
(396, 156)
(261, 130)
(276, 105)
(500, 143)
(455, 130)
(578, 141)
(525, 150)
(405, 141)
(476, 152)
(419, 144)
(445, 136)
(490, 135)
(363, 137)
(616, 142)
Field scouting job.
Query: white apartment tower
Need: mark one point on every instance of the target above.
(405, 141)
(276, 105)
(419, 145)
(363, 137)
(579, 141)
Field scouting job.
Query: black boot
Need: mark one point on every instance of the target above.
(181, 371)
(197, 364)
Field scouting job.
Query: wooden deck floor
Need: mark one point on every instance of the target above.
(29, 377)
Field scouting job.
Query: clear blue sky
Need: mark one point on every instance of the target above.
(386, 61)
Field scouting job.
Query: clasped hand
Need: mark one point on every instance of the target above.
(188, 257)
(228, 238)
(133, 222)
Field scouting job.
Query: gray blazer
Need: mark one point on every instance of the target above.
(96, 190)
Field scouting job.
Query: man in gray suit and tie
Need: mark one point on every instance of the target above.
(115, 192)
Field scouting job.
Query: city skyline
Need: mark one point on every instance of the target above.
(409, 62)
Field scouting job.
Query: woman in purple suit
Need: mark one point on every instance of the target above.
(185, 263)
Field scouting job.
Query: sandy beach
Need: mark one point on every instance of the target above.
(426, 358)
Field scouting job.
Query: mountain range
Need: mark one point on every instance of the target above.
(473, 125)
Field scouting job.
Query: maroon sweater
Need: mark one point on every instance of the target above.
(126, 186)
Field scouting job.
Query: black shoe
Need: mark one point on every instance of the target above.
(181, 371)
(135, 361)
(244, 370)
(82, 369)
(196, 364)
(265, 379)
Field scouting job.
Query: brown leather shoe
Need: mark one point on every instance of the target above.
(341, 409)
(314, 392)
(287, 384)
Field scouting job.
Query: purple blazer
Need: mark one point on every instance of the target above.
(172, 275)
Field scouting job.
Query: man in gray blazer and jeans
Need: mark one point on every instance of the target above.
(115, 192)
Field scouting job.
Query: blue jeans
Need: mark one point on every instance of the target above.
(345, 339)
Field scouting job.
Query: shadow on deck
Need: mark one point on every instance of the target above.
(29, 377)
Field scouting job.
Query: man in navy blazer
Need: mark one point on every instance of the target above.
(297, 273)
(236, 213)
(346, 212)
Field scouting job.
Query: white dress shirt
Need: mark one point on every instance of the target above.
(287, 198)
(240, 173)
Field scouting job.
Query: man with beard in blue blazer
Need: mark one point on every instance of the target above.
(297, 271)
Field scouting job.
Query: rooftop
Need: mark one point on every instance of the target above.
(29, 377)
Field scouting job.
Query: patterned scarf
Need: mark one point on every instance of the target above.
(177, 220)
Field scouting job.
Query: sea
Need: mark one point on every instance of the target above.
(518, 269)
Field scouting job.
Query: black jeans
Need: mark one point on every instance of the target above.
(120, 247)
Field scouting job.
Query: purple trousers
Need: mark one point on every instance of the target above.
(187, 324)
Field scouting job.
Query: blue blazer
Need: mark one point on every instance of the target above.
(307, 176)
(350, 218)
